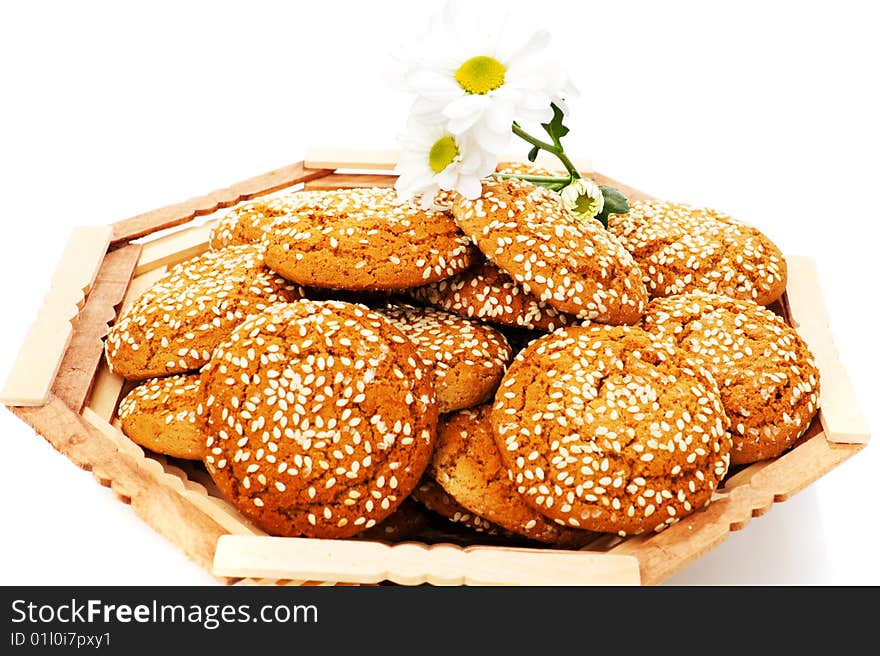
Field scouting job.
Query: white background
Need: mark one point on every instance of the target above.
(767, 110)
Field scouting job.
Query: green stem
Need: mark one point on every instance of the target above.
(550, 148)
(537, 179)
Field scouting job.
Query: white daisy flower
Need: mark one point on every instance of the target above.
(583, 198)
(475, 80)
(432, 160)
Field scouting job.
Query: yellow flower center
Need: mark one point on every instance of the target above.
(585, 204)
(480, 75)
(443, 153)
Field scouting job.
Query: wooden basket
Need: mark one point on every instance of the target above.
(61, 386)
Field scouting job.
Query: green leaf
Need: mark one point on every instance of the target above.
(533, 153)
(614, 203)
(555, 128)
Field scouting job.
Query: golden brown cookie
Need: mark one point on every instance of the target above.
(468, 357)
(467, 465)
(523, 168)
(248, 223)
(321, 418)
(765, 372)
(434, 498)
(486, 292)
(576, 266)
(363, 239)
(174, 326)
(608, 429)
(680, 248)
(405, 523)
(160, 414)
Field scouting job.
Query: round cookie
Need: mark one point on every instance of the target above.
(468, 358)
(606, 428)
(249, 222)
(765, 372)
(486, 292)
(434, 498)
(363, 239)
(404, 523)
(174, 325)
(576, 266)
(321, 418)
(160, 414)
(680, 248)
(467, 465)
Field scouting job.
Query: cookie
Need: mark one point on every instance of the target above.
(486, 292)
(576, 266)
(321, 418)
(524, 168)
(363, 239)
(608, 429)
(680, 248)
(467, 465)
(405, 523)
(174, 325)
(248, 223)
(468, 358)
(765, 372)
(434, 498)
(160, 414)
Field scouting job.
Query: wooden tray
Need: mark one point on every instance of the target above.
(61, 386)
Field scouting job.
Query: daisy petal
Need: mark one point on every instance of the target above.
(470, 188)
(538, 42)
(428, 82)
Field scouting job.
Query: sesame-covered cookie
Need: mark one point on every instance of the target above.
(486, 292)
(468, 358)
(434, 498)
(174, 325)
(765, 372)
(576, 266)
(609, 429)
(680, 248)
(248, 222)
(467, 465)
(160, 414)
(321, 418)
(363, 239)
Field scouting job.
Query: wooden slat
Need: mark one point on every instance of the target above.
(839, 409)
(163, 507)
(386, 160)
(174, 248)
(180, 213)
(411, 564)
(32, 373)
(106, 392)
(80, 362)
(351, 181)
(346, 158)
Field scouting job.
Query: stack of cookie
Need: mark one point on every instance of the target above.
(343, 364)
